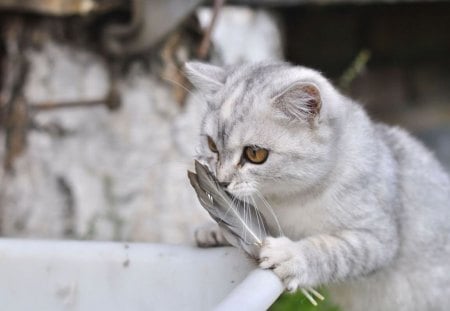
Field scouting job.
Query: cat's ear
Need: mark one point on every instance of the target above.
(207, 78)
(300, 100)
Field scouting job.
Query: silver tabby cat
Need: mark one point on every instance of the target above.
(365, 207)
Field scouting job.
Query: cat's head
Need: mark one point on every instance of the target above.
(268, 126)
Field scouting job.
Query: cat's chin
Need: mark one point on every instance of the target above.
(242, 195)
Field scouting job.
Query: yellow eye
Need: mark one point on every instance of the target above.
(256, 155)
(212, 145)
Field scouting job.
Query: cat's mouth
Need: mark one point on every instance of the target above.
(242, 191)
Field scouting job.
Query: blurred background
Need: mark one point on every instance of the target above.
(98, 123)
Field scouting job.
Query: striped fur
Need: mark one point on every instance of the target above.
(365, 208)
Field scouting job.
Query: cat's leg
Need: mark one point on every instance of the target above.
(210, 235)
(321, 259)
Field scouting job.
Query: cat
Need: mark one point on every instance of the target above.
(365, 207)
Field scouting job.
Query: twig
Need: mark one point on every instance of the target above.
(14, 108)
(205, 44)
(112, 101)
(355, 69)
(44, 106)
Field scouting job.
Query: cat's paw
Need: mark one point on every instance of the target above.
(210, 235)
(285, 259)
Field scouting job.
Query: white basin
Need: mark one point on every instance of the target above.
(69, 275)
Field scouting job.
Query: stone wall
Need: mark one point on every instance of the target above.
(92, 173)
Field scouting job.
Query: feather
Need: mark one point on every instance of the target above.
(243, 221)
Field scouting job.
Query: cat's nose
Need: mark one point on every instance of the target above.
(224, 184)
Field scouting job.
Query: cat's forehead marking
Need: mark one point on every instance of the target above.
(236, 136)
(227, 108)
(233, 117)
(209, 124)
(235, 124)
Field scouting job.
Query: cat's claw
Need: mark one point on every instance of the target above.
(292, 285)
(282, 256)
(210, 235)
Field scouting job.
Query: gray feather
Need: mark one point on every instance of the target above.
(241, 220)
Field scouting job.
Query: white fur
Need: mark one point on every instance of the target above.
(365, 208)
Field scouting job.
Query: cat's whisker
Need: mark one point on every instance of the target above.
(258, 218)
(245, 220)
(261, 227)
(247, 209)
(260, 221)
(248, 206)
(230, 207)
(270, 210)
(197, 97)
(249, 214)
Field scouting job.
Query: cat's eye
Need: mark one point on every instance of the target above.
(212, 145)
(255, 155)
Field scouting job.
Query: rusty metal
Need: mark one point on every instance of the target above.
(16, 130)
(172, 64)
(203, 49)
(179, 47)
(14, 110)
(61, 7)
(150, 22)
(111, 101)
(44, 106)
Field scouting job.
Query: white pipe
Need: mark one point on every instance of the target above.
(257, 292)
(85, 276)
